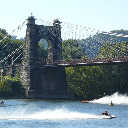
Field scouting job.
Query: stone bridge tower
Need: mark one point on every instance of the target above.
(43, 81)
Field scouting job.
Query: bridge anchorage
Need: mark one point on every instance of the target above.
(47, 81)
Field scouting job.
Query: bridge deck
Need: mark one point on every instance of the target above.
(83, 62)
(94, 62)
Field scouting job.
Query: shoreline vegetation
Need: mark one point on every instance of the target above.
(83, 82)
(89, 82)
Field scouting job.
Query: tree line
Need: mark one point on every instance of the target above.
(97, 81)
(88, 82)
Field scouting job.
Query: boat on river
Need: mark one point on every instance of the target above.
(111, 104)
(2, 104)
(84, 101)
(107, 116)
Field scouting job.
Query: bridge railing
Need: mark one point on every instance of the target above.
(97, 61)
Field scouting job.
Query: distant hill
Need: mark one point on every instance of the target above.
(92, 44)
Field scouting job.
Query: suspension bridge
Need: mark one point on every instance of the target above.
(67, 45)
(71, 33)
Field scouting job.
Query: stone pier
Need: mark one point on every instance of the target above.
(49, 80)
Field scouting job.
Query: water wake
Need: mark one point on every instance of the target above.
(57, 114)
(116, 98)
(62, 114)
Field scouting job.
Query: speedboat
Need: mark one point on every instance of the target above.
(111, 104)
(84, 101)
(107, 116)
(2, 105)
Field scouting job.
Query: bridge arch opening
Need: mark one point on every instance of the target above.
(45, 51)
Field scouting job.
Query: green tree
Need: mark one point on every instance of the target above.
(72, 50)
(8, 46)
(85, 81)
(115, 50)
(11, 87)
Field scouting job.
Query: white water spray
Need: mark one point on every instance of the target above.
(116, 98)
(60, 114)
(57, 114)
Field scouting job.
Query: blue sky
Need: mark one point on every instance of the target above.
(104, 15)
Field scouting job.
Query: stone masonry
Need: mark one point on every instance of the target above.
(43, 81)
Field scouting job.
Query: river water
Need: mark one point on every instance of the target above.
(64, 114)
